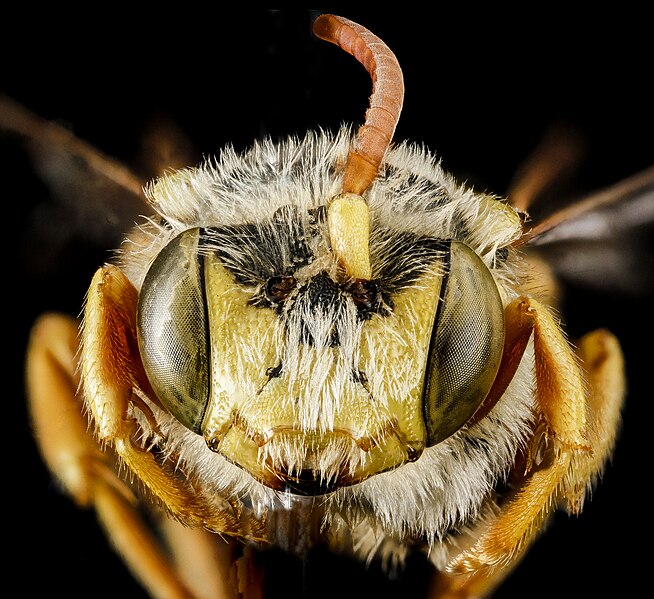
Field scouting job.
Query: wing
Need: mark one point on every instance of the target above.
(601, 240)
(86, 196)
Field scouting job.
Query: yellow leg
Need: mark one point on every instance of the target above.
(211, 565)
(602, 357)
(56, 412)
(573, 438)
(478, 585)
(111, 373)
(113, 378)
(77, 462)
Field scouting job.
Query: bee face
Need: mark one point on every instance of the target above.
(254, 337)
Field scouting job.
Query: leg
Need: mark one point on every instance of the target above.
(601, 355)
(75, 459)
(114, 381)
(573, 437)
(212, 565)
(111, 373)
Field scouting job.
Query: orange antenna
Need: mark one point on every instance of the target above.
(376, 133)
(348, 214)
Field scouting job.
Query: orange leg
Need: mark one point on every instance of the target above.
(113, 380)
(75, 459)
(578, 404)
(166, 561)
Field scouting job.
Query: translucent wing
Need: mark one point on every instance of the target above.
(601, 240)
(92, 196)
(604, 239)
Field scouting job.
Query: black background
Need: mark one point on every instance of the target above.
(480, 90)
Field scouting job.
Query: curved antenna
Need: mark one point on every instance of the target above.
(348, 214)
(376, 133)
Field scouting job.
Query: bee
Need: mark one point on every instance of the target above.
(317, 273)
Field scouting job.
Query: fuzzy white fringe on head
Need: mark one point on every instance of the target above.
(412, 194)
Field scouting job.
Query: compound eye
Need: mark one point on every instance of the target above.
(172, 329)
(466, 344)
